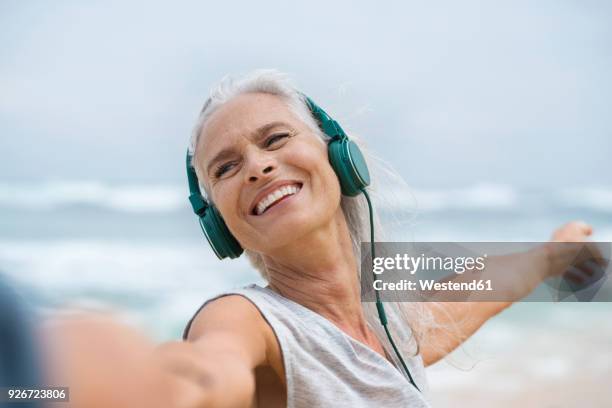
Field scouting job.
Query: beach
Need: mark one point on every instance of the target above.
(562, 362)
(146, 260)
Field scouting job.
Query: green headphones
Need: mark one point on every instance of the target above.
(344, 156)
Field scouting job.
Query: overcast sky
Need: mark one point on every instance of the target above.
(450, 93)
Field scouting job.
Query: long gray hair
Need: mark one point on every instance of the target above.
(355, 209)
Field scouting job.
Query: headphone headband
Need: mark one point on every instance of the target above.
(329, 126)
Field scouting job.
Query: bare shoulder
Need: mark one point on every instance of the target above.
(233, 313)
(241, 324)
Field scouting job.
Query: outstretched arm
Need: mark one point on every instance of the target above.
(108, 364)
(457, 321)
(226, 341)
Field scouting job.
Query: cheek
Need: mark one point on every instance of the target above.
(226, 201)
(313, 158)
(323, 179)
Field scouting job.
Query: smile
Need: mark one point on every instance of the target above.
(275, 197)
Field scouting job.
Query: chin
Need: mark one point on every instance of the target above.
(286, 230)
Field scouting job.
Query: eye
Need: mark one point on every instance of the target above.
(221, 169)
(272, 139)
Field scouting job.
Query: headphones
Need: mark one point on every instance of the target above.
(350, 167)
(344, 156)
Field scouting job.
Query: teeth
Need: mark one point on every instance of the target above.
(275, 195)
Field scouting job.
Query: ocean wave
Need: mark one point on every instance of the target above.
(480, 196)
(164, 198)
(476, 197)
(117, 265)
(155, 286)
(128, 198)
(592, 198)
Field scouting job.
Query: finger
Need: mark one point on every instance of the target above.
(596, 252)
(586, 274)
(595, 271)
(587, 268)
(587, 229)
(574, 275)
(582, 226)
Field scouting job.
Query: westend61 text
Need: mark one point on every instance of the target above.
(430, 284)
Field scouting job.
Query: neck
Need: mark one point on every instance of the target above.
(319, 271)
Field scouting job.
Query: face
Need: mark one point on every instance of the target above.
(251, 147)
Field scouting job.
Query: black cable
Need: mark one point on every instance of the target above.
(379, 305)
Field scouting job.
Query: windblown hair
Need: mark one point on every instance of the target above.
(355, 209)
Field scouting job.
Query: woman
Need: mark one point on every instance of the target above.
(305, 339)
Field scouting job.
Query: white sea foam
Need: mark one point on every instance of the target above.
(591, 198)
(476, 197)
(155, 286)
(130, 198)
(162, 198)
(117, 266)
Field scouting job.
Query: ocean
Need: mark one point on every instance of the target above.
(137, 251)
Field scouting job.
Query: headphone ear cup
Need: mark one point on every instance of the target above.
(349, 164)
(218, 235)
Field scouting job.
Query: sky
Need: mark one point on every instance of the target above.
(449, 93)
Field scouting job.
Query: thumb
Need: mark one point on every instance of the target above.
(584, 227)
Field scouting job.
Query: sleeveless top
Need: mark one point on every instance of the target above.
(325, 366)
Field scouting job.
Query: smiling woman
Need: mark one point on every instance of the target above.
(261, 154)
(282, 182)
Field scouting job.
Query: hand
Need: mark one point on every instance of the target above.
(574, 231)
(569, 253)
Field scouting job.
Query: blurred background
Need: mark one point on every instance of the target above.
(496, 114)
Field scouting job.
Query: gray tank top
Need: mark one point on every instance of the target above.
(326, 367)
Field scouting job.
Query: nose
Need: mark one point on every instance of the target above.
(260, 165)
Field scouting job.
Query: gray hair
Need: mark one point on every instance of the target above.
(355, 209)
(276, 83)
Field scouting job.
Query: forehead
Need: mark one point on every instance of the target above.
(238, 118)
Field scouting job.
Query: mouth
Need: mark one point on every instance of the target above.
(275, 198)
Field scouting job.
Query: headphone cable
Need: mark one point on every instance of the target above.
(379, 305)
